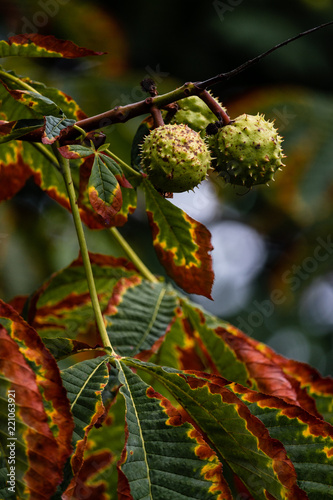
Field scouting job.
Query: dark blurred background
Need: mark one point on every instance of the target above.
(273, 252)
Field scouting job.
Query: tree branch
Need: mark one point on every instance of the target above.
(122, 114)
(230, 74)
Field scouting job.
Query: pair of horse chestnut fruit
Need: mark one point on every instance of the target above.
(177, 156)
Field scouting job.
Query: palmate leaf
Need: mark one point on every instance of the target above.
(182, 244)
(76, 151)
(43, 422)
(237, 436)
(36, 45)
(138, 314)
(61, 308)
(163, 457)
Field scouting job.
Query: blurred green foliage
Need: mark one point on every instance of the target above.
(173, 42)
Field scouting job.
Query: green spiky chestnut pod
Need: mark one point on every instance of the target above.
(175, 158)
(195, 113)
(247, 151)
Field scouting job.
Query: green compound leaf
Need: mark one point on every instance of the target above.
(138, 314)
(61, 308)
(237, 436)
(182, 244)
(307, 440)
(103, 180)
(43, 422)
(36, 45)
(76, 151)
(163, 457)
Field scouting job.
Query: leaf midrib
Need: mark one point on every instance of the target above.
(86, 383)
(153, 318)
(140, 431)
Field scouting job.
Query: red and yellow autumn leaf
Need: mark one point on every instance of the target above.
(36, 45)
(44, 423)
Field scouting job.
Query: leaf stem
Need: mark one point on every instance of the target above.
(79, 129)
(18, 81)
(126, 167)
(133, 256)
(64, 165)
(47, 154)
